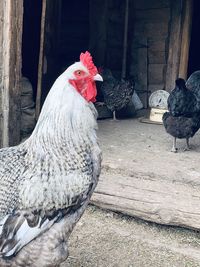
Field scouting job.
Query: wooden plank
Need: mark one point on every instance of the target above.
(156, 57)
(152, 199)
(146, 120)
(157, 44)
(156, 73)
(11, 71)
(40, 63)
(185, 40)
(151, 29)
(142, 72)
(1, 60)
(153, 14)
(174, 45)
(153, 4)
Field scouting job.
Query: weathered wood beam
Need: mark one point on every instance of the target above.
(41, 59)
(151, 199)
(11, 35)
(186, 36)
(174, 44)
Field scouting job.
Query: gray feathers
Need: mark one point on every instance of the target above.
(47, 181)
(12, 164)
(117, 94)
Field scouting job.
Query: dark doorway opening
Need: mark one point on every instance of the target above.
(194, 53)
(67, 34)
(74, 33)
(31, 41)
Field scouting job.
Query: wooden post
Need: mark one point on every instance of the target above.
(11, 34)
(185, 40)
(174, 44)
(125, 40)
(41, 59)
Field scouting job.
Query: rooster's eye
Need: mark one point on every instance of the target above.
(79, 72)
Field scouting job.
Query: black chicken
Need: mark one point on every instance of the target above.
(181, 101)
(193, 84)
(181, 127)
(117, 94)
(183, 119)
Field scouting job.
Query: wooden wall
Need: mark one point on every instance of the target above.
(10, 71)
(1, 58)
(148, 38)
(149, 42)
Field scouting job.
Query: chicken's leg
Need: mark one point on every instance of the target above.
(187, 148)
(114, 116)
(174, 148)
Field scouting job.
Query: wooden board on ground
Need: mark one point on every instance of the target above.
(155, 200)
(146, 120)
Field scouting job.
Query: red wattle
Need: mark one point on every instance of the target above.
(85, 87)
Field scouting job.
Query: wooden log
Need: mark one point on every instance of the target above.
(151, 199)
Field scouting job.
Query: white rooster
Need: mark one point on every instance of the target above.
(47, 181)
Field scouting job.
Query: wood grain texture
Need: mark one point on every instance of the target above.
(41, 59)
(174, 44)
(11, 35)
(151, 199)
(186, 35)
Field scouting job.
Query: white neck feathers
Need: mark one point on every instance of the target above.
(66, 118)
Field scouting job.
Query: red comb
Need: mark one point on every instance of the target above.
(86, 59)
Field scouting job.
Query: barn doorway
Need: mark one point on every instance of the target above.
(31, 41)
(72, 27)
(66, 36)
(194, 51)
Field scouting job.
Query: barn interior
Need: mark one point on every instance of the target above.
(72, 27)
(138, 50)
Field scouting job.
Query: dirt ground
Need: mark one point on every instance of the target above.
(132, 146)
(106, 239)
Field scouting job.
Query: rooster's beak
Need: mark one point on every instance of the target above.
(98, 77)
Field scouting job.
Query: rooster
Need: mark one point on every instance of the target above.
(47, 181)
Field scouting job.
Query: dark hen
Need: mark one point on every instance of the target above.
(193, 84)
(183, 119)
(181, 101)
(181, 127)
(117, 94)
